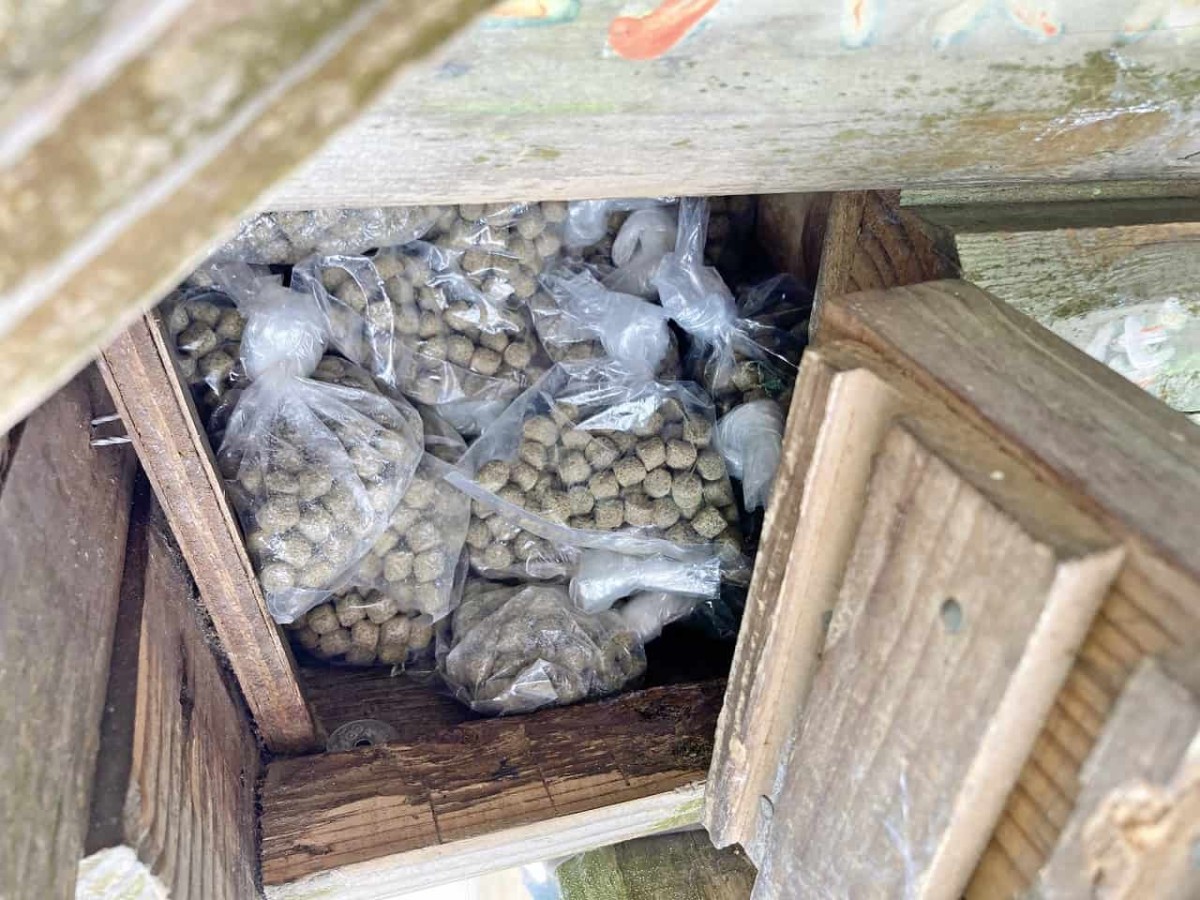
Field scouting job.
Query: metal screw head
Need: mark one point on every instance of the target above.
(361, 733)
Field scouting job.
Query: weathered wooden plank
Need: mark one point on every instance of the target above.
(431, 808)
(680, 866)
(969, 593)
(162, 423)
(64, 512)
(1128, 458)
(1143, 745)
(178, 767)
(103, 213)
(1114, 292)
(1046, 207)
(759, 97)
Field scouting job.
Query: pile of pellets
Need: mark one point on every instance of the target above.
(659, 479)
(206, 332)
(307, 519)
(516, 649)
(363, 629)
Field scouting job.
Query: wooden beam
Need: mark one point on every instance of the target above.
(487, 794)
(1046, 207)
(1143, 747)
(763, 97)
(64, 512)
(969, 587)
(163, 425)
(154, 159)
(175, 783)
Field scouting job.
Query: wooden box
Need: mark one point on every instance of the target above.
(907, 393)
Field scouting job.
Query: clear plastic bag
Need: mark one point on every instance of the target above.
(364, 628)
(596, 456)
(288, 237)
(588, 221)
(648, 613)
(577, 318)
(750, 439)
(602, 577)
(514, 650)
(315, 470)
(647, 236)
(424, 328)
(206, 335)
(736, 359)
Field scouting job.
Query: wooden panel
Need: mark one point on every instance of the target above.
(64, 512)
(156, 153)
(757, 96)
(162, 423)
(836, 423)
(1154, 723)
(179, 763)
(490, 780)
(1125, 456)
(969, 601)
(1046, 207)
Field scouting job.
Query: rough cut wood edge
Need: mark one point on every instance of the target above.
(64, 513)
(954, 712)
(1152, 725)
(791, 229)
(1124, 455)
(872, 244)
(486, 784)
(1045, 207)
(146, 172)
(179, 762)
(836, 422)
(548, 840)
(161, 421)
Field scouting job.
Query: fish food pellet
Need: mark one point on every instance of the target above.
(395, 631)
(478, 534)
(423, 536)
(533, 453)
(574, 469)
(609, 514)
(510, 493)
(493, 475)
(708, 522)
(710, 465)
(698, 431)
(629, 471)
(652, 425)
(501, 529)
(604, 485)
(398, 565)
(334, 643)
(657, 483)
(581, 501)
(639, 510)
(601, 452)
(717, 493)
(524, 476)
(577, 439)
(365, 634)
(322, 619)
(277, 577)
(428, 565)
(652, 452)
(686, 490)
(556, 507)
(497, 557)
(665, 512)
(680, 455)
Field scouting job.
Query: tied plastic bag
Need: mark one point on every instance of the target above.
(578, 318)
(750, 439)
(647, 614)
(647, 236)
(359, 628)
(412, 564)
(315, 470)
(517, 649)
(588, 221)
(602, 577)
(288, 237)
(206, 334)
(424, 328)
(736, 359)
(596, 456)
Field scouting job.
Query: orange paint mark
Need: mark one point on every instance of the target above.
(652, 35)
(1036, 20)
(856, 13)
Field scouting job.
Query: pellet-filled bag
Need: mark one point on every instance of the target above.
(736, 359)
(364, 628)
(517, 649)
(315, 470)
(595, 455)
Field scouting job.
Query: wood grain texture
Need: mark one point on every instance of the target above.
(837, 421)
(483, 779)
(791, 229)
(162, 422)
(179, 762)
(155, 164)
(765, 97)
(872, 244)
(679, 866)
(970, 608)
(1125, 456)
(1047, 207)
(64, 512)
(414, 707)
(1133, 623)
(1152, 726)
